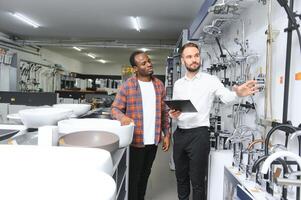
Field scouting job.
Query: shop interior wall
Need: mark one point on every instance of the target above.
(113, 69)
(255, 19)
(45, 57)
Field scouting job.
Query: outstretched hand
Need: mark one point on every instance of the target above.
(246, 89)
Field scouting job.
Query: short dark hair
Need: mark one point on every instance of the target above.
(189, 44)
(132, 57)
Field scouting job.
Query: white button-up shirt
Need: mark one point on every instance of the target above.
(200, 90)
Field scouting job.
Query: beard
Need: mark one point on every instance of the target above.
(145, 73)
(151, 73)
(193, 69)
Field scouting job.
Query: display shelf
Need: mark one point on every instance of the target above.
(121, 187)
(234, 178)
(120, 169)
(122, 194)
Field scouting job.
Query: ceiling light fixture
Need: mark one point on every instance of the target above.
(144, 49)
(91, 55)
(25, 19)
(76, 48)
(102, 61)
(136, 23)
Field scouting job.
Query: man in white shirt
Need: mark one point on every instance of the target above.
(191, 138)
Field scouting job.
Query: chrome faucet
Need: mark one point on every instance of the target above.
(277, 155)
(255, 169)
(296, 134)
(290, 129)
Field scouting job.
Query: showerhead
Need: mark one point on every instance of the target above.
(252, 59)
(212, 30)
(224, 7)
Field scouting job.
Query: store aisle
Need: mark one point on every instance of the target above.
(162, 181)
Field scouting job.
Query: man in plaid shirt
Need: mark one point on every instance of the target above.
(140, 100)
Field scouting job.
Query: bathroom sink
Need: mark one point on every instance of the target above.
(15, 117)
(37, 117)
(56, 158)
(125, 133)
(60, 185)
(92, 139)
(78, 109)
(33, 172)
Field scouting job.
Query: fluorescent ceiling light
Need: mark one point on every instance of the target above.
(91, 55)
(76, 48)
(102, 61)
(144, 49)
(25, 19)
(136, 23)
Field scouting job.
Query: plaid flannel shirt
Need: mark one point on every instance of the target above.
(128, 101)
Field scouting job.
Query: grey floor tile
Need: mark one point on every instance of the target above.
(162, 181)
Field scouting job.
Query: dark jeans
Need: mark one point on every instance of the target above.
(191, 152)
(141, 161)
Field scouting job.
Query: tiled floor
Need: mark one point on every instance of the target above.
(162, 181)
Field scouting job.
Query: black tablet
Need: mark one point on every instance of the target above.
(181, 105)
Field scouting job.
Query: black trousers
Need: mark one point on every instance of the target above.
(191, 152)
(141, 161)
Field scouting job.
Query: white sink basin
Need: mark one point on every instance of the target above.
(32, 172)
(34, 118)
(125, 133)
(15, 117)
(56, 158)
(78, 109)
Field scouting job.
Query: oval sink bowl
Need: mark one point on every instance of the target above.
(32, 172)
(60, 185)
(125, 133)
(78, 109)
(15, 117)
(93, 139)
(34, 118)
(57, 158)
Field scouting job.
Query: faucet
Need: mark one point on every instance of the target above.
(242, 151)
(276, 155)
(244, 134)
(296, 134)
(253, 154)
(233, 138)
(290, 128)
(255, 167)
(285, 171)
(250, 146)
(277, 147)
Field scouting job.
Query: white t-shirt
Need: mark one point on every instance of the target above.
(149, 111)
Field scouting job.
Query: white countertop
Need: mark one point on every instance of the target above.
(254, 189)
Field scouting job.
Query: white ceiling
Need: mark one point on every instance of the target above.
(101, 20)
